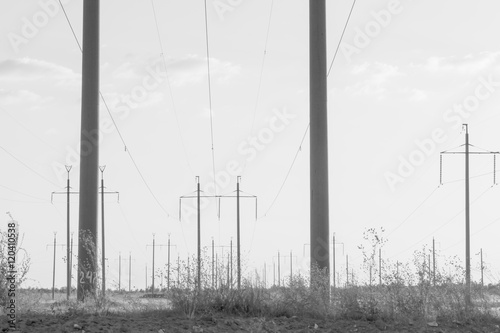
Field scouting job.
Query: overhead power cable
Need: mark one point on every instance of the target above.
(256, 106)
(210, 92)
(117, 129)
(307, 129)
(170, 89)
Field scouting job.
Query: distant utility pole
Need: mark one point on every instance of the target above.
(319, 223)
(347, 269)
(229, 263)
(291, 256)
(482, 266)
(467, 205)
(333, 255)
(379, 266)
(482, 269)
(120, 270)
(55, 245)
(168, 261)
(153, 269)
(129, 271)
(237, 196)
(433, 262)
(279, 268)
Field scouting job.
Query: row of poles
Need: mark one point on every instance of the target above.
(89, 156)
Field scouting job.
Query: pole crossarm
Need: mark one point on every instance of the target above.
(73, 192)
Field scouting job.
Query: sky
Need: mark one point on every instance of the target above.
(407, 74)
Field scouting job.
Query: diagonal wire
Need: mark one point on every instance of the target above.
(210, 92)
(261, 75)
(307, 129)
(170, 89)
(413, 212)
(117, 129)
(341, 36)
(442, 225)
(28, 167)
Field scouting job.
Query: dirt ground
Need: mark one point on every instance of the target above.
(162, 322)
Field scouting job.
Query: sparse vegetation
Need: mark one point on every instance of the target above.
(411, 293)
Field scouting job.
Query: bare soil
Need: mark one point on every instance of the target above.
(161, 321)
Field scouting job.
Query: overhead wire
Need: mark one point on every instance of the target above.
(210, 92)
(28, 167)
(117, 128)
(441, 226)
(307, 128)
(174, 108)
(259, 86)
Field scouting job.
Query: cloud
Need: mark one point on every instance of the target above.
(375, 79)
(187, 70)
(13, 97)
(193, 69)
(28, 69)
(465, 65)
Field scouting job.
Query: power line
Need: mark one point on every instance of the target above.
(341, 37)
(26, 194)
(210, 93)
(307, 129)
(170, 89)
(413, 212)
(28, 167)
(117, 129)
(441, 226)
(261, 74)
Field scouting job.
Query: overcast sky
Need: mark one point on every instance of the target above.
(406, 76)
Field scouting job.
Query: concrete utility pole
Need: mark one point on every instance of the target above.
(89, 153)
(333, 255)
(68, 245)
(320, 256)
(467, 207)
(153, 269)
(101, 168)
(482, 266)
(55, 245)
(379, 267)
(347, 269)
(433, 262)
(168, 262)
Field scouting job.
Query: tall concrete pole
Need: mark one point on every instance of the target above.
(319, 224)
(89, 152)
(467, 221)
(68, 241)
(129, 271)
